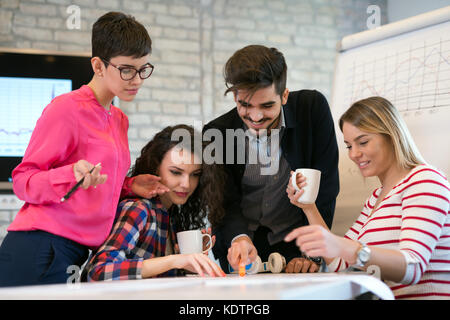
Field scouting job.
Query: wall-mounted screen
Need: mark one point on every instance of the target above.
(29, 80)
(23, 100)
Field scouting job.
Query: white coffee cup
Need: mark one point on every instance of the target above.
(312, 184)
(191, 241)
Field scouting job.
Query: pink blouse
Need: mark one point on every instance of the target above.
(72, 127)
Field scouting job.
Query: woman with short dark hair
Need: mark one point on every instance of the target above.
(79, 138)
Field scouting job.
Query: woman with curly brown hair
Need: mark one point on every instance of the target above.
(142, 243)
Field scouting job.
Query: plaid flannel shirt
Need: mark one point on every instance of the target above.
(140, 232)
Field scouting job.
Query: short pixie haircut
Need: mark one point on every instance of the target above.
(118, 34)
(378, 115)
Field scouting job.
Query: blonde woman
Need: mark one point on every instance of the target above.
(404, 226)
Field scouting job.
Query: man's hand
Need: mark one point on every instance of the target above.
(301, 265)
(242, 249)
(147, 186)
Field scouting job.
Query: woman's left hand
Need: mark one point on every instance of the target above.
(294, 195)
(316, 241)
(147, 186)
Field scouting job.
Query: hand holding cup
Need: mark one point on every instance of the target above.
(303, 187)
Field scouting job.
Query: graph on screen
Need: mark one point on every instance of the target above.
(21, 103)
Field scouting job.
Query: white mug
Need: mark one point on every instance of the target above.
(312, 184)
(191, 241)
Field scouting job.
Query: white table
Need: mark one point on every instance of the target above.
(267, 286)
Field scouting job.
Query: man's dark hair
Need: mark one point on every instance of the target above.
(254, 67)
(118, 34)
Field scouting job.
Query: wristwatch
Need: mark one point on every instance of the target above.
(362, 256)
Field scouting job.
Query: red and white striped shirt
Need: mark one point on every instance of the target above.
(413, 218)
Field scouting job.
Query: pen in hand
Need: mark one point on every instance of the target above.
(79, 183)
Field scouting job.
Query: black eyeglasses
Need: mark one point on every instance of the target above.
(128, 73)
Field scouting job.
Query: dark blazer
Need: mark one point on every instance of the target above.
(309, 141)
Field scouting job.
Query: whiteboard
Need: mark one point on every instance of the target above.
(408, 63)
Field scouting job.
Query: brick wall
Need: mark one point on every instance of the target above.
(192, 39)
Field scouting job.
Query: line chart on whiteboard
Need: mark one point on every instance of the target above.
(415, 77)
(411, 70)
(21, 103)
(407, 63)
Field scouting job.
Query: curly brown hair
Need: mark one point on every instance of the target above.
(206, 200)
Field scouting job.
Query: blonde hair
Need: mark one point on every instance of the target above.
(378, 115)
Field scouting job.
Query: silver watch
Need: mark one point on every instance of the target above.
(362, 256)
